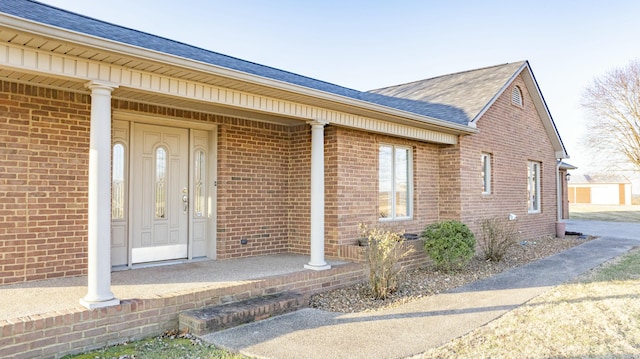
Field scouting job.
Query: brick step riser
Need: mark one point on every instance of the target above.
(211, 319)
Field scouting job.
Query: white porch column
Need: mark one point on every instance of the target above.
(317, 261)
(99, 271)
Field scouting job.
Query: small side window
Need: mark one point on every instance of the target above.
(486, 173)
(117, 182)
(199, 184)
(533, 187)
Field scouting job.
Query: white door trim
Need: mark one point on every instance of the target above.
(211, 202)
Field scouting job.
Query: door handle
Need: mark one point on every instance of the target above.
(185, 202)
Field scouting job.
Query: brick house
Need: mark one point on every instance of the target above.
(120, 148)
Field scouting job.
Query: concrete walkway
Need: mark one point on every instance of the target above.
(413, 328)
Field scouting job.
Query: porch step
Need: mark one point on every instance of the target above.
(211, 319)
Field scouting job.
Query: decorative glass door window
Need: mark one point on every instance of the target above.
(199, 184)
(161, 183)
(117, 182)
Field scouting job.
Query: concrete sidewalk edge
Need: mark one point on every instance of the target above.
(412, 328)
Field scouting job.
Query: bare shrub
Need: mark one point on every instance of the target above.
(384, 251)
(497, 235)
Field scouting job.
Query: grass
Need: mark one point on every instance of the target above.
(162, 347)
(596, 316)
(595, 212)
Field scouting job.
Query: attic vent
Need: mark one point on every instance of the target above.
(516, 96)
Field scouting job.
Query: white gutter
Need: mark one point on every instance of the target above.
(559, 191)
(66, 35)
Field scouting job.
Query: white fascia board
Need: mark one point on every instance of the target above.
(539, 103)
(545, 114)
(498, 94)
(66, 35)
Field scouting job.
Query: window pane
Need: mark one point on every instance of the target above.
(534, 187)
(199, 179)
(486, 173)
(117, 182)
(529, 191)
(385, 183)
(161, 183)
(402, 182)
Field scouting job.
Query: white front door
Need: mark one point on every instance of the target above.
(159, 193)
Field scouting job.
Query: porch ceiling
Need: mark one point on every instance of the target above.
(148, 98)
(199, 106)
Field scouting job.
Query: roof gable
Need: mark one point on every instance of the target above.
(470, 91)
(473, 92)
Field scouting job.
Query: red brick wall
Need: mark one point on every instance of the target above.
(263, 180)
(356, 185)
(299, 186)
(44, 147)
(253, 188)
(450, 179)
(513, 136)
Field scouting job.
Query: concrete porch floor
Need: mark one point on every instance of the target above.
(60, 294)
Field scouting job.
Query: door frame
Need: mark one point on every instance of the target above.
(211, 171)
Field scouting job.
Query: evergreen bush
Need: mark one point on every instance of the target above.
(450, 244)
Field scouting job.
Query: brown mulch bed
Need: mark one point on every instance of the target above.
(427, 281)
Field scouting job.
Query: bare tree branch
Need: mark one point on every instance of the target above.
(613, 102)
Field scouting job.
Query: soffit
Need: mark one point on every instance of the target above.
(110, 57)
(142, 97)
(208, 74)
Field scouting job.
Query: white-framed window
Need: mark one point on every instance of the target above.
(485, 159)
(395, 184)
(533, 187)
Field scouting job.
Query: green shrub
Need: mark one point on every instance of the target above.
(385, 249)
(450, 244)
(498, 235)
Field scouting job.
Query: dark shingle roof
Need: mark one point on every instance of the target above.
(468, 92)
(50, 15)
(443, 98)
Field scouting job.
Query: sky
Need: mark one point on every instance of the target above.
(368, 44)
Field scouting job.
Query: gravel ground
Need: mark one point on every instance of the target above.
(427, 281)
